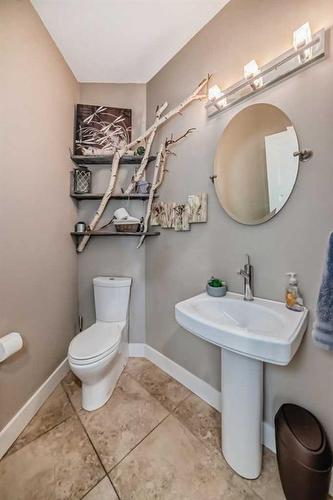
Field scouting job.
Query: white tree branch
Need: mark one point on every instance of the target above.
(150, 134)
(159, 160)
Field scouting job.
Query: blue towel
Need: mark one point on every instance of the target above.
(323, 327)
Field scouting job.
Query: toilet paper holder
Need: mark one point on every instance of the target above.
(9, 345)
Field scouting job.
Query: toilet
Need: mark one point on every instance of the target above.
(98, 355)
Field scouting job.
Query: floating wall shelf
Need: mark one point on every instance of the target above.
(280, 68)
(99, 196)
(107, 159)
(114, 233)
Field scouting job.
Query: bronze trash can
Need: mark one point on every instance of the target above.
(303, 453)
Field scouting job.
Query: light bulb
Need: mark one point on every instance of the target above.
(251, 69)
(214, 93)
(303, 36)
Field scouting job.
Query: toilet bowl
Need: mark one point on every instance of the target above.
(98, 355)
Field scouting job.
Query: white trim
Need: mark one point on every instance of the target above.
(268, 436)
(205, 391)
(195, 384)
(136, 350)
(16, 425)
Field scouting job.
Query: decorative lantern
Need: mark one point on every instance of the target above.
(82, 181)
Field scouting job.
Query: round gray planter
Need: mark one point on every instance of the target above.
(216, 291)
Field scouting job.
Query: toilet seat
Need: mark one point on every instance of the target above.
(96, 342)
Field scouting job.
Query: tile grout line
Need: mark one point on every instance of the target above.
(37, 437)
(93, 446)
(132, 449)
(153, 396)
(105, 477)
(172, 412)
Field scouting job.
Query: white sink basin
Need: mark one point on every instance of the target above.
(262, 329)
(249, 333)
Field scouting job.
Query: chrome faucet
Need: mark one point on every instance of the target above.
(247, 274)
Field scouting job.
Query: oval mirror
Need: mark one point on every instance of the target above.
(255, 166)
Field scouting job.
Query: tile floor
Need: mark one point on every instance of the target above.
(153, 440)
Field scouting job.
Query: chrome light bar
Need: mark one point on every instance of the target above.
(278, 69)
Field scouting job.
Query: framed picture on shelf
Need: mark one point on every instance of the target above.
(100, 130)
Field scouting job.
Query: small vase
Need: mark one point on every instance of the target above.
(216, 291)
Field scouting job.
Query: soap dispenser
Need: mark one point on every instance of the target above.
(294, 300)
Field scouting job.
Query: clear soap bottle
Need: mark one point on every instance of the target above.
(294, 300)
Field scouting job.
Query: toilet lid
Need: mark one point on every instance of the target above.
(99, 339)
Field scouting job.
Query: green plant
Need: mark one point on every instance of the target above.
(216, 282)
(140, 151)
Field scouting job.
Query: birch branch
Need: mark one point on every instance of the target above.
(159, 120)
(159, 171)
(150, 133)
(107, 195)
(159, 160)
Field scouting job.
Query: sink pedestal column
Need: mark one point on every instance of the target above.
(242, 409)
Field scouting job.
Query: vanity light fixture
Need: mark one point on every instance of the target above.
(251, 69)
(303, 36)
(306, 50)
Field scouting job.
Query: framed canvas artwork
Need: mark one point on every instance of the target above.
(100, 130)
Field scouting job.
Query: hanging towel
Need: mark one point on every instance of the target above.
(323, 327)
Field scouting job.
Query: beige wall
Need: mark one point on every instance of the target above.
(294, 240)
(119, 95)
(114, 256)
(38, 285)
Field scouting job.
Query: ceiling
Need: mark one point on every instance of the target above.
(122, 41)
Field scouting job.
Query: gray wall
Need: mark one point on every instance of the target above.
(178, 264)
(38, 286)
(117, 255)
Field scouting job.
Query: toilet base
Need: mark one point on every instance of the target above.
(97, 394)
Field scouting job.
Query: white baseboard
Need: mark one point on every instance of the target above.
(16, 425)
(195, 384)
(136, 350)
(268, 436)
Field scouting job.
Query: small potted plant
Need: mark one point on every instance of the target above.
(216, 287)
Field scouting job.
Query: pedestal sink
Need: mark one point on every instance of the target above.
(250, 334)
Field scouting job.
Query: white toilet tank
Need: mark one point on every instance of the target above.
(111, 298)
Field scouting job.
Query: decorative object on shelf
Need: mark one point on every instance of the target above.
(128, 226)
(140, 151)
(80, 227)
(146, 138)
(180, 215)
(82, 180)
(307, 49)
(124, 222)
(198, 207)
(142, 187)
(216, 287)
(121, 214)
(101, 130)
